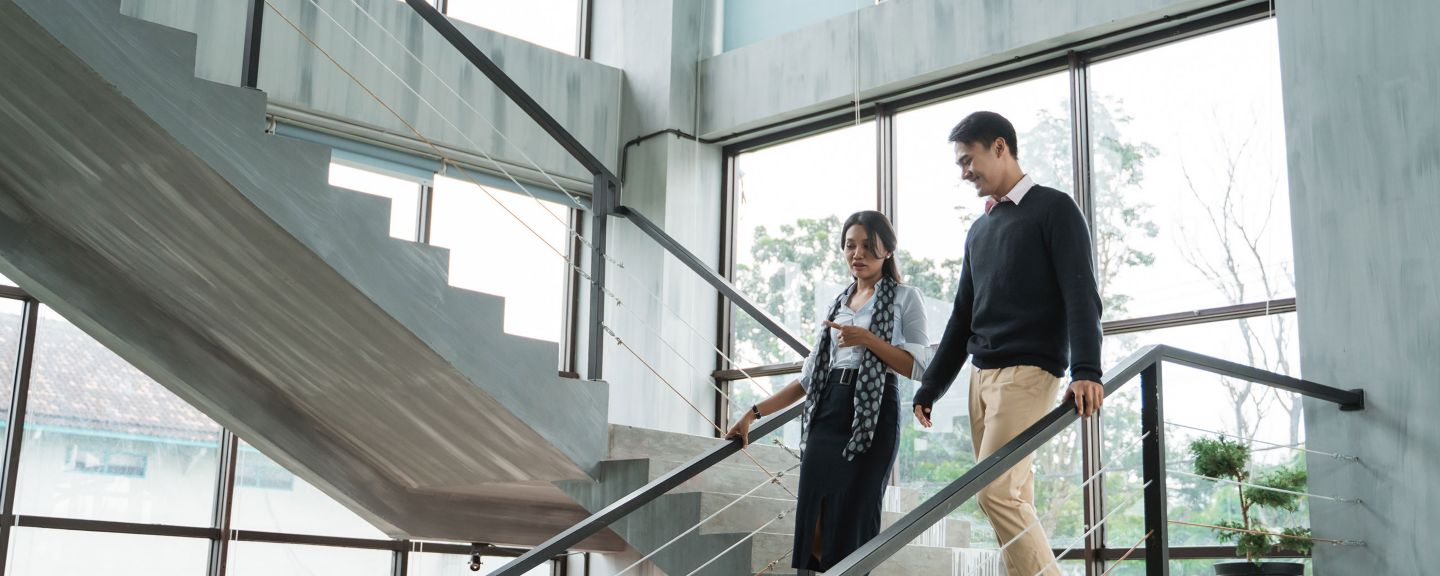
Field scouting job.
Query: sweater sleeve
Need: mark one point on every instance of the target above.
(951, 354)
(1070, 254)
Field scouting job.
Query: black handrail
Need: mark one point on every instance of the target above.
(724, 286)
(640, 497)
(1144, 363)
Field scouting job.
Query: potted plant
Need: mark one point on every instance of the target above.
(1230, 460)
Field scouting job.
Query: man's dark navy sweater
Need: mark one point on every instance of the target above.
(1027, 295)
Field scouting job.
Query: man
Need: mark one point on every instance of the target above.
(1027, 307)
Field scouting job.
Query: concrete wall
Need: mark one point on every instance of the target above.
(750, 21)
(676, 183)
(902, 44)
(1361, 81)
(582, 95)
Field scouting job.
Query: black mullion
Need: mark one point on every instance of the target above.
(224, 503)
(885, 162)
(725, 323)
(15, 431)
(424, 218)
(1080, 139)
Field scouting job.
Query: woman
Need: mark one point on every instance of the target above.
(851, 419)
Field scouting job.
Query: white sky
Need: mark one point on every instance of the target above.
(553, 24)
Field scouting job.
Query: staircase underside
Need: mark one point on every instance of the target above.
(115, 224)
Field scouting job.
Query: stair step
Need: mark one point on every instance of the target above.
(909, 561)
(630, 442)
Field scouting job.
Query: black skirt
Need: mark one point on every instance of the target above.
(843, 495)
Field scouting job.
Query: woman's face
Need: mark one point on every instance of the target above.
(865, 259)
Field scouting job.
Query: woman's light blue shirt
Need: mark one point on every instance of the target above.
(909, 334)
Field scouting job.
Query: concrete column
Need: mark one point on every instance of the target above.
(1361, 81)
(674, 181)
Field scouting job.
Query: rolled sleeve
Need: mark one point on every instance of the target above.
(807, 372)
(911, 337)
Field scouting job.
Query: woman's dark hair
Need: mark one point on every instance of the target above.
(984, 128)
(879, 233)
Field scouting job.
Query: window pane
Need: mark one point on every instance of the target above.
(10, 326)
(1192, 201)
(1196, 399)
(105, 442)
(492, 252)
(271, 499)
(430, 564)
(791, 200)
(553, 24)
(404, 196)
(6, 281)
(265, 559)
(42, 552)
(936, 207)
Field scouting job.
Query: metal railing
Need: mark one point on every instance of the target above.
(605, 202)
(1145, 363)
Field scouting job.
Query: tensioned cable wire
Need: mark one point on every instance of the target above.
(1055, 509)
(1287, 446)
(1127, 553)
(521, 221)
(729, 357)
(752, 534)
(773, 563)
(744, 449)
(1259, 487)
(1056, 560)
(1330, 541)
(618, 302)
(499, 166)
(702, 522)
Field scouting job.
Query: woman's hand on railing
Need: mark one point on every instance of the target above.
(741, 429)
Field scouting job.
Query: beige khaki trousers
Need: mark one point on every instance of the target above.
(1003, 403)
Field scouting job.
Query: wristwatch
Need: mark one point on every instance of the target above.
(755, 409)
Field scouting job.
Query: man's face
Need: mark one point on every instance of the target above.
(981, 166)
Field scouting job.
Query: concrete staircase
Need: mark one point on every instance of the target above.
(151, 209)
(639, 455)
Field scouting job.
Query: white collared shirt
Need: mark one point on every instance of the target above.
(1021, 188)
(909, 333)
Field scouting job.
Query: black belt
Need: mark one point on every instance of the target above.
(849, 376)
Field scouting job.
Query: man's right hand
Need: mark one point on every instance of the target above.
(922, 414)
(741, 429)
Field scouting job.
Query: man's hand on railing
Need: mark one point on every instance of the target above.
(922, 415)
(1088, 396)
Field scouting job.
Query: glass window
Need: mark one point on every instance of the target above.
(431, 564)
(492, 252)
(404, 196)
(10, 326)
(554, 24)
(790, 201)
(269, 498)
(266, 559)
(43, 552)
(935, 207)
(1196, 404)
(1192, 200)
(105, 442)
(6, 281)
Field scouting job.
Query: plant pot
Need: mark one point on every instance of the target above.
(1259, 569)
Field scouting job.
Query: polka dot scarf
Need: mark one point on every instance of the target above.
(869, 386)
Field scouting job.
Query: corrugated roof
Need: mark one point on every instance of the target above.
(79, 384)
